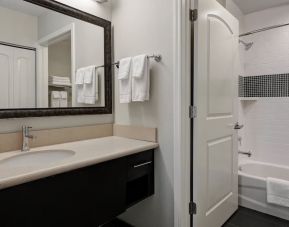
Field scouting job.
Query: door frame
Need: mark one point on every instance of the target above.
(42, 62)
(183, 81)
(182, 121)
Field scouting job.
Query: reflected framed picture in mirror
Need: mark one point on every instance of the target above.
(54, 60)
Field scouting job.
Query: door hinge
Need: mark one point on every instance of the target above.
(193, 111)
(193, 14)
(193, 208)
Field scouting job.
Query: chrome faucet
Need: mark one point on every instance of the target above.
(249, 153)
(26, 137)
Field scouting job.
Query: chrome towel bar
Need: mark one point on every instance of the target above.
(156, 57)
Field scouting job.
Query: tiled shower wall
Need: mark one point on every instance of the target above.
(267, 129)
(265, 68)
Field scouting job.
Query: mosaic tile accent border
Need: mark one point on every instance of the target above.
(264, 86)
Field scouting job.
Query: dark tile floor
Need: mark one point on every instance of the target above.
(249, 218)
(117, 223)
(242, 218)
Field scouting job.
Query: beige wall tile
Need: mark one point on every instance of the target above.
(13, 141)
(134, 132)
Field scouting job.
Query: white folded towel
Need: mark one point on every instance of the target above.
(55, 99)
(278, 192)
(140, 79)
(124, 68)
(55, 94)
(59, 78)
(125, 80)
(79, 79)
(139, 66)
(60, 81)
(63, 102)
(87, 85)
(63, 94)
(91, 86)
(89, 73)
(55, 83)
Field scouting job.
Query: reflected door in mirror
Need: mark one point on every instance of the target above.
(17, 71)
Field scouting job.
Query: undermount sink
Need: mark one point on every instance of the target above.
(31, 161)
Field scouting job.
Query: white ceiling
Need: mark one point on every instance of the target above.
(24, 7)
(250, 6)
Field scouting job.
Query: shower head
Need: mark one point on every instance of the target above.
(247, 45)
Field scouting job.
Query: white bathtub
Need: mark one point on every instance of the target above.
(252, 186)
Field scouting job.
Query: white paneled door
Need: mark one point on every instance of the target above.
(24, 78)
(17, 74)
(215, 92)
(6, 76)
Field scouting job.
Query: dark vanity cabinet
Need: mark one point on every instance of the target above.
(140, 177)
(84, 197)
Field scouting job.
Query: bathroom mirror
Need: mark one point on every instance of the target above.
(54, 60)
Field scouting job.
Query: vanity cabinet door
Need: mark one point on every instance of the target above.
(140, 177)
(89, 196)
(82, 198)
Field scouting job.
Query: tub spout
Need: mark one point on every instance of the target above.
(249, 153)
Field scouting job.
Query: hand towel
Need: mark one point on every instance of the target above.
(278, 192)
(124, 68)
(79, 79)
(89, 73)
(125, 80)
(79, 82)
(63, 99)
(139, 66)
(140, 79)
(80, 94)
(91, 85)
(55, 99)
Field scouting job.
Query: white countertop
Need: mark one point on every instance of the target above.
(87, 153)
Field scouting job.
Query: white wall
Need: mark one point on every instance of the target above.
(266, 121)
(59, 60)
(18, 28)
(10, 125)
(269, 17)
(236, 12)
(147, 27)
(270, 54)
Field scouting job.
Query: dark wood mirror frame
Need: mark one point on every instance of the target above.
(44, 112)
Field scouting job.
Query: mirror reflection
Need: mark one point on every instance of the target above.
(45, 62)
